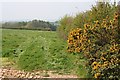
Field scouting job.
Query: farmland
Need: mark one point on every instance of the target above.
(85, 44)
(40, 50)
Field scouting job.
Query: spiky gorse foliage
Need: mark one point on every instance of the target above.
(100, 43)
(98, 12)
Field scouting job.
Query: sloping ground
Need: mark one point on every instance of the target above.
(39, 51)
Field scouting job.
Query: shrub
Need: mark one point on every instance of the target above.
(100, 44)
(65, 26)
(97, 12)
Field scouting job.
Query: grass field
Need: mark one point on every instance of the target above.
(40, 50)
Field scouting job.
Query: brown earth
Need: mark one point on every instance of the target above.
(8, 72)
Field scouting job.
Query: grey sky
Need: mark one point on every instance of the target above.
(44, 10)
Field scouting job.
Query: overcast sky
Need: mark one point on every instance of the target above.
(48, 10)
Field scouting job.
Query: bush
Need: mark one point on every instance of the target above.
(97, 12)
(100, 44)
(65, 26)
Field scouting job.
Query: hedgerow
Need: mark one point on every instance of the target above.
(97, 12)
(100, 44)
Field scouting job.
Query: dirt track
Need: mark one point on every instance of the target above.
(7, 72)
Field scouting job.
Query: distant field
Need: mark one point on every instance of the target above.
(40, 50)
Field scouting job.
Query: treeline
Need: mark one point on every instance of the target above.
(32, 25)
(97, 12)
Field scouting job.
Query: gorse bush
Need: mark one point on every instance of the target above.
(97, 12)
(100, 44)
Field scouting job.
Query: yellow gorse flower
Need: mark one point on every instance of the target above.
(97, 75)
(102, 58)
(94, 63)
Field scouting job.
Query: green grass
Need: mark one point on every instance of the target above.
(40, 50)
